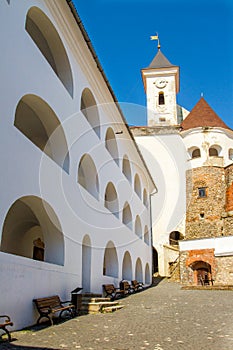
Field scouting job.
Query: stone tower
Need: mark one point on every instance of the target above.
(161, 83)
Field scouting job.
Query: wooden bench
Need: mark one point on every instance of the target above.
(5, 323)
(111, 291)
(49, 306)
(136, 286)
(126, 287)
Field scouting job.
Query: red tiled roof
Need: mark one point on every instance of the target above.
(202, 115)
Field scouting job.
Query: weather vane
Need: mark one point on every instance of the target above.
(156, 37)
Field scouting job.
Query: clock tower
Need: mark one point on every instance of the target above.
(161, 83)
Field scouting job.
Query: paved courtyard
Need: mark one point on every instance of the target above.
(160, 318)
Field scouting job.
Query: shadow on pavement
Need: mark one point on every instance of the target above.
(7, 346)
(156, 281)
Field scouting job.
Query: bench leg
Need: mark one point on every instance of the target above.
(7, 333)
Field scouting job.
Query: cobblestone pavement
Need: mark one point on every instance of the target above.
(163, 317)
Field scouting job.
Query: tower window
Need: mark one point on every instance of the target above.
(161, 98)
(202, 192)
(196, 153)
(213, 152)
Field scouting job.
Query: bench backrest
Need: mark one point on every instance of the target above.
(134, 283)
(125, 285)
(109, 288)
(48, 302)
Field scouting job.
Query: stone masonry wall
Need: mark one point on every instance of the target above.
(225, 270)
(204, 214)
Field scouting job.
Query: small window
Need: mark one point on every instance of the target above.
(162, 119)
(202, 192)
(196, 153)
(213, 152)
(161, 98)
(231, 154)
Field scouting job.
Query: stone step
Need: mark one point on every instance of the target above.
(95, 300)
(112, 308)
(95, 307)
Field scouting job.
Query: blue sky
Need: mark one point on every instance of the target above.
(196, 35)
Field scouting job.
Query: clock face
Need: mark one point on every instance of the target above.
(160, 83)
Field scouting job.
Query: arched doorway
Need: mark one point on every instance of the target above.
(155, 260)
(86, 264)
(202, 274)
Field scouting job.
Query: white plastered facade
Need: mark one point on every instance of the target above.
(59, 195)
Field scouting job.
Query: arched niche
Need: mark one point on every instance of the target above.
(111, 199)
(126, 169)
(86, 263)
(137, 185)
(110, 264)
(111, 144)
(138, 270)
(127, 216)
(45, 36)
(127, 267)
(146, 235)
(38, 122)
(138, 226)
(87, 175)
(90, 110)
(147, 274)
(31, 222)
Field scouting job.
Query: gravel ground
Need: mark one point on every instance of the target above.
(163, 317)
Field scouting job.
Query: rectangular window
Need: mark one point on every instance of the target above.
(202, 192)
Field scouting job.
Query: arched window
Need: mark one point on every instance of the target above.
(214, 151)
(146, 235)
(38, 122)
(90, 110)
(138, 271)
(111, 200)
(137, 185)
(127, 216)
(126, 169)
(161, 98)
(196, 153)
(31, 229)
(87, 175)
(138, 227)
(48, 41)
(110, 265)
(230, 153)
(111, 144)
(145, 197)
(127, 267)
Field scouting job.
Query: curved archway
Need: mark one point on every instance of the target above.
(111, 200)
(138, 270)
(138, 227)
(127, 267)
(137, 185)
(38, 122)
(45, 36)
(147, 274)
(32, 223)
(146, 235)
(87, 175)
(126, 169)
(86, 263)
(127, 216)
(111, 144)
(90, 110)
(110, 265)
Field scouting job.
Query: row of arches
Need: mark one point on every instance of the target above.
(213, 151)
(48, 41)
(111, 265)
(31, 229)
